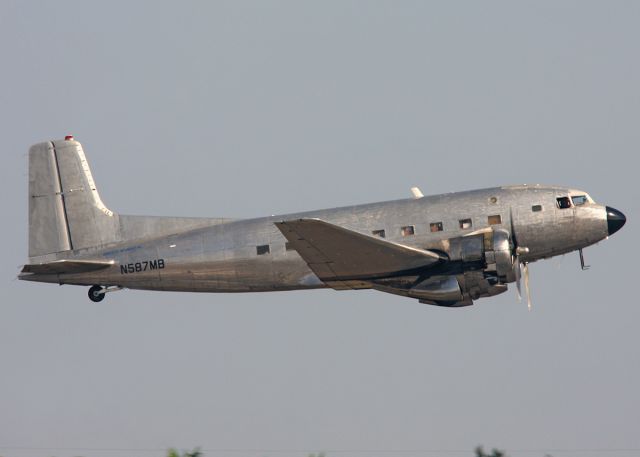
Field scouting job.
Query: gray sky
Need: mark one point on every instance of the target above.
(255, 108)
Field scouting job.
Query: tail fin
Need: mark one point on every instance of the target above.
(65, 210)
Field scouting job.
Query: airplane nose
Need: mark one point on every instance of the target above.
(615, 220)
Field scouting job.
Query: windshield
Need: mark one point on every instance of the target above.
(579, 200)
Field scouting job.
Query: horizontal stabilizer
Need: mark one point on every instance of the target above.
(337, 253)
(67, 266)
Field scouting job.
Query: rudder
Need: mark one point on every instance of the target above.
(65, 209)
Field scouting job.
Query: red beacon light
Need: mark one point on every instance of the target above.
(68, 138)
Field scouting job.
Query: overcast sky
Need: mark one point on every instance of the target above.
(244, 109)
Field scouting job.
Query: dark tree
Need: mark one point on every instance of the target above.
(494, 453)
(195, 453)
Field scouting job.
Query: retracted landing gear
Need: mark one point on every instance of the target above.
(97, 293)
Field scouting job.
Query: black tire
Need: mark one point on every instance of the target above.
(95, 295)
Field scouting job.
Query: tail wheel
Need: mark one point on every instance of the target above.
(96, 293)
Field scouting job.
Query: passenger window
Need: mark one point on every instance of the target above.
(536, 208)
(263, 249)
(379, 233)
(465, 224)
(579, 200)
(494, 220)
(408, 230)
(564, 202)
(435, 227)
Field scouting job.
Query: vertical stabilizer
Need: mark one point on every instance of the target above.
(65, 210)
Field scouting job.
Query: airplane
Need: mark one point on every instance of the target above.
(445, 250)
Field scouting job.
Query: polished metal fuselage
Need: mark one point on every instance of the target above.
(222, 256)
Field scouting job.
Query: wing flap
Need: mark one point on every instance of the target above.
(67, 266)
(336, 253)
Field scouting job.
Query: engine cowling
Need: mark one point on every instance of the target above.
(500, 258)
(490, 251)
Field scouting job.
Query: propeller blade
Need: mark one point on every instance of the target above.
(519, 266)
(526, 285)
(518, 274)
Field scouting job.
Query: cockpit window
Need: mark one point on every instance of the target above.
(579, 199)
(564, 202)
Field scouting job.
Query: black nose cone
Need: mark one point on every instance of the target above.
(615, 220)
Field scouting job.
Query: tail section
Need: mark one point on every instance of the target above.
(65, 210)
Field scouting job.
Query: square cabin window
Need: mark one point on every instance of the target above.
(435, 227)
(379, 233)
(564, 202)
(263, 249)
(536, 208)
(465, 224)
(494, 220)
(408, 230)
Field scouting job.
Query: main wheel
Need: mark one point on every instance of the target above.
(95, 295)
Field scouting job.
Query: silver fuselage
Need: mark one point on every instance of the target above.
(222, 255)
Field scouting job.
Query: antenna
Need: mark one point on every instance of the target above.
(417, 193)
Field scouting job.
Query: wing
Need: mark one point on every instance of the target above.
(66, 266)
(335, 253)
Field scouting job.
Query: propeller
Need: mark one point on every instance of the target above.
(520, 268)
(526, 285)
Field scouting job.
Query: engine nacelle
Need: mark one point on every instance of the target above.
(439, 289)
(456, 290)
(490, 251)
(481, 265)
